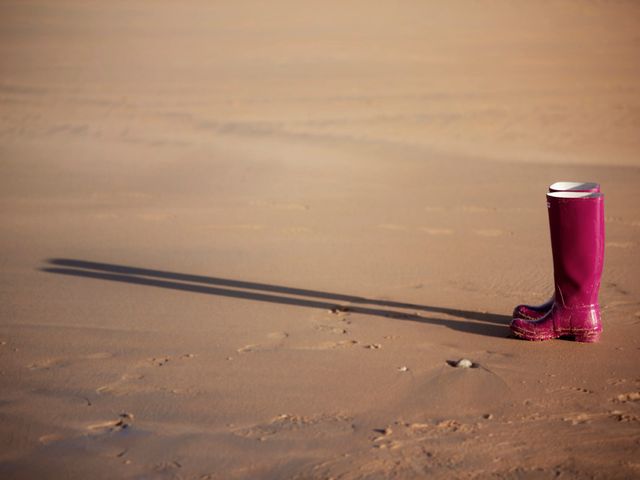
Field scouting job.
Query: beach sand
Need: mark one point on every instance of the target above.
(245, 240)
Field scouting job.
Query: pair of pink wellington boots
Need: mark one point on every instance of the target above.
(576, 222)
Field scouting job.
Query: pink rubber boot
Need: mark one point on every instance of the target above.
(534, 312)
(576, 222)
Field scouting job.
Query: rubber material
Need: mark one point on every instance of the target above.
(534, 312)
(576, 223)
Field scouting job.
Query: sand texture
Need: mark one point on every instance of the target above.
(245, 240)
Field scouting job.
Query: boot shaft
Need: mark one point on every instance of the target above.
(576, 222)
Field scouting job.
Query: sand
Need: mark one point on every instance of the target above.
(247, 240)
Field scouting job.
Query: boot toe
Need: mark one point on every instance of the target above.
(533, 331)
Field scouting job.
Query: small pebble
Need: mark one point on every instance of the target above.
(374, 346)
(464, 363)
(403, 369)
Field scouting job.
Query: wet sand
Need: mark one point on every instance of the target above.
(242, 241)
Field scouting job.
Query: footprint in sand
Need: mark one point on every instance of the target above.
(382, 439)
(160, 361)
(98, 356)
(581, 390)
(274, 340)
(575, 389)
(336, 322)
(277, 335)
(123, 422)
(164, 360)
(331, 329)
(329, 345)
(403, 433)
(624, 417)
(49, 363)
(616, 381)
(123, 385)
(321, 425)
(132, 381)
(627, 397)
(580, 418)
(452, 426)
(340, 313)
(169, 469)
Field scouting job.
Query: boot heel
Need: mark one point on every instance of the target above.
(587, 337)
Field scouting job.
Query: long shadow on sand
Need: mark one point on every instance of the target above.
(479, 323)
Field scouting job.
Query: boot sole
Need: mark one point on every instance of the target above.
(582, 337)
(587, 337)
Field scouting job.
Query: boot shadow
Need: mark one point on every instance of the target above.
(479, 323)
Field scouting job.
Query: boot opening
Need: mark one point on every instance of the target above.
(573, 186)
(575, 194)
